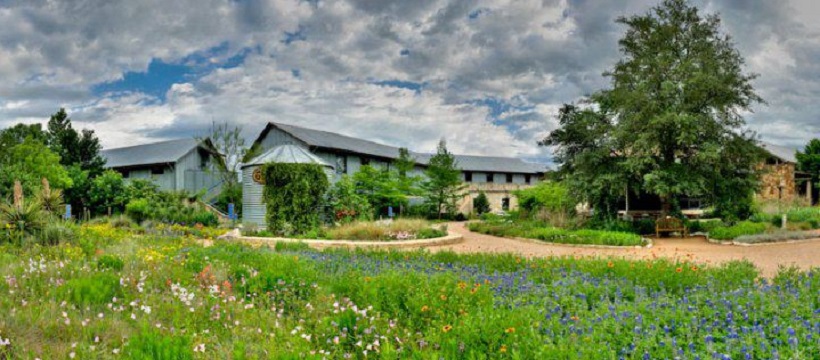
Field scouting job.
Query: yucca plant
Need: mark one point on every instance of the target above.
(22, 217)
(51, 200)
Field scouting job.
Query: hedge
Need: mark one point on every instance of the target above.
(293, 194)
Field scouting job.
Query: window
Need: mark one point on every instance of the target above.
(341, 164)
(157, 171)
(125, 174)
(468, 176)
(509, 178)
(527, 178)
(203, 161)
(505, 204)
(365, 161)
(490, 177)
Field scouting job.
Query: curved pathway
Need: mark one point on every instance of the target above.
(768, 258)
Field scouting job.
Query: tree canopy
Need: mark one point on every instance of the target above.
(443, 186)
(809, 161)
(671, 124)
(30, 162)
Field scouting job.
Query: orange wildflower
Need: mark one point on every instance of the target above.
(503, 349)
(446, 328)
(425, 308)
(678, 269)
(443, 297)
(509, 330)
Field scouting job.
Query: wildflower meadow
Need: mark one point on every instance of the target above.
(118, 294)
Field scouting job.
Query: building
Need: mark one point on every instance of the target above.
(498, 177)
(780, 180)
(254, 209)
(175, 165)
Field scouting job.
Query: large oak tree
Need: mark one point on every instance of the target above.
(671, 124)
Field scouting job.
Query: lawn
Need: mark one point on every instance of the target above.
(119, 295)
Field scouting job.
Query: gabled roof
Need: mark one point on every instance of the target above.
(290, 154)
(333, 141)
(329, 140)
(783, 153)
(163, 152)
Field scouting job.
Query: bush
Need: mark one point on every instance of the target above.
(293, 194)
(56, 232)
(777, 236)
(549, 195)
(346, 204)
(138, 210)
(739, 229)
(481, 204)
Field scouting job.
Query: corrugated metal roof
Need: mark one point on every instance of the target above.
(146, 154)
(329, 140)
(333, 141)
(291, 154)
(780, 152)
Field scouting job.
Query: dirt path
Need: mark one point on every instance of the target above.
(767, 258)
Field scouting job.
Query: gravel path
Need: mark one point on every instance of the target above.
(768, 258)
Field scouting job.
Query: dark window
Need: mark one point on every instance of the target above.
(509, 178)
(125, 174)
(203, 161)
(365, 161)
(341, 164)
(490, 177)
(468, 176)
(505, 204)
(157, 171)
(527, 178)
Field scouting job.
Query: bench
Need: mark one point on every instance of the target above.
(670, 224)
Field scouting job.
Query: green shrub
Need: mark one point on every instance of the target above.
(138, 209)
(152, 344)
(293, 194)
(481, 204)
(204, 217)
(96, 289)
(56, 232)
(110, 262)
(739, 229)
(549, 195)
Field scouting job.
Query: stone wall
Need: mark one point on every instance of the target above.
(496, 193)
(777, 182)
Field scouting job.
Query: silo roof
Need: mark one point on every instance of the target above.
(290, 154)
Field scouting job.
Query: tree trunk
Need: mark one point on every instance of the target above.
(666, 205)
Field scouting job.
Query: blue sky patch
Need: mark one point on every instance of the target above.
(298, 35)
(415, 86)
(161, 75)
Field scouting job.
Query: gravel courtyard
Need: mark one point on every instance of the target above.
(767, 257)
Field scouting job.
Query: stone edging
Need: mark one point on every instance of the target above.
(785, 242)
(451, 238)
(589, 246)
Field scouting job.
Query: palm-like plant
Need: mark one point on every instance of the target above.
(51, 200)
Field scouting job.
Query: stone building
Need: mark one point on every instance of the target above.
(498, 177)
(780, 180)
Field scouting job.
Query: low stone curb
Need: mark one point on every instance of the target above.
(590, 246)
(776, 242)
(452, 238)
(739, 243)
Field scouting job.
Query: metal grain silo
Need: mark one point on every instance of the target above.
(253, 207)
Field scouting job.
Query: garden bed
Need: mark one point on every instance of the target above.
(543, 233)
(129, 296)
(374, 231)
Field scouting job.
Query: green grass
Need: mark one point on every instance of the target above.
(174, 299)
(544, 232)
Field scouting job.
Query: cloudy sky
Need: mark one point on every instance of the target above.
(488, 76)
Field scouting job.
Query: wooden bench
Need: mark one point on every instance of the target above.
(670, 224)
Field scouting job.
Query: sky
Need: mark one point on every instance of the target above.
(487, 76)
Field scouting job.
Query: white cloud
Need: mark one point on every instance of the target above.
(532, 54)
